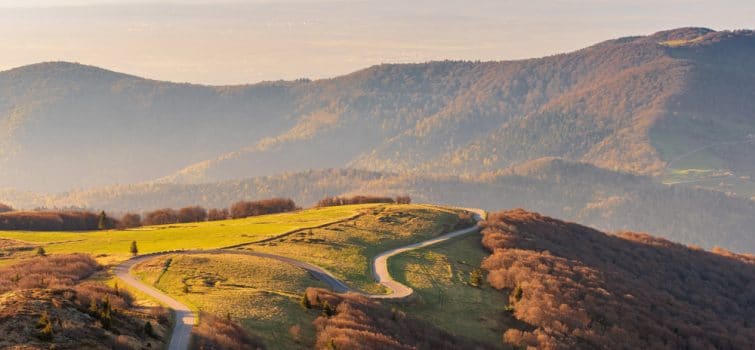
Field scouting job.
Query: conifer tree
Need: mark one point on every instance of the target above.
(102, 223)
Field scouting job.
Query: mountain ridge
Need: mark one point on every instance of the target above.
(620, 104)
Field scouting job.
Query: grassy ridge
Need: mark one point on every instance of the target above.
(346, 249)
(114, 244)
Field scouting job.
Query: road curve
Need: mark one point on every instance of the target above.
(185, 318)
(380, 264)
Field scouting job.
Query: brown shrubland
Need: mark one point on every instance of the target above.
(54, 271)
(581, 288)
(361, 323)
(47, 302)
(215, 333)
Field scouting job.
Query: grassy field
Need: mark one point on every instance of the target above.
(113, 245)
(260, 293)
(440, 275)
(346, 249)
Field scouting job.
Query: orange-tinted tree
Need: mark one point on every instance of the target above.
(130, 220)
(244, 209)
(217, 214)
(192, 214)
(161, 217)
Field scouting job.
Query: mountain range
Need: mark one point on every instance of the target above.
(587, 135)
(632, 104)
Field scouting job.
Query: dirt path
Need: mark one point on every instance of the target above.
(185, 318)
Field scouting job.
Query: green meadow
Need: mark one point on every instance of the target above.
(113, 245)
(346, 249)
(262, 294)
(440, 277)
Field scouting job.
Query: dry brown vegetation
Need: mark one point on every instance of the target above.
(576, 287)
(355, 322)
(215, 333)
(55, 271)
(44, 303)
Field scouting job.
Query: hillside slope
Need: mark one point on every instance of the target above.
(632, 104)
(575, 191)
(575, 287)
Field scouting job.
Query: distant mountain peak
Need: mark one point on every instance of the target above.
(63, 69)
(686, 33)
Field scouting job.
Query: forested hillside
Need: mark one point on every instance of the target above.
(574, 191)
(575, 287)
(633, 104)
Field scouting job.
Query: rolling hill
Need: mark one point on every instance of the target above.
(581, 192)
(575, 287)
(634, 104)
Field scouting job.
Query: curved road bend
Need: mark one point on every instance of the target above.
(185, 319)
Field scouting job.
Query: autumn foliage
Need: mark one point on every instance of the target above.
(55, 271)
(215, 333)
(335, 201)
(356, 322)
(245, 209)
(575, 287)
(51, 221)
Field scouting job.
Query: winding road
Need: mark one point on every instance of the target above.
(185, 318)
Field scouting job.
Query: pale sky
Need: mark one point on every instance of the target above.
(233, 42)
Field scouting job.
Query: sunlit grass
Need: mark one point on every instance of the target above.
(439, 276)
(681, 42)
(113, 245)
(347, 249)
(262, 294)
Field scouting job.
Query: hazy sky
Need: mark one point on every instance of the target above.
(226, 42)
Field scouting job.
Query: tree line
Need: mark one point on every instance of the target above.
(55, 221)
(335, 201)
(82, 220)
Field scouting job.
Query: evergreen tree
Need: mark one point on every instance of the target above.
(102, 223)
(475, 278)
(134, 250)
(305, 301)
(93, 308)
(41, 251)
(43, 320)
(327, 310)
(518, 293)
(148, 330)
(46, 333)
